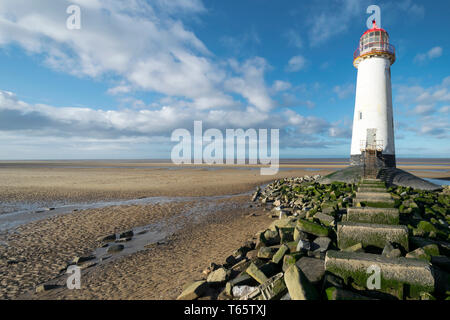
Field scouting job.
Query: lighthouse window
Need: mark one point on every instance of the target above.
(360, 116)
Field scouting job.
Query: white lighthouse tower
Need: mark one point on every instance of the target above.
(373, 125)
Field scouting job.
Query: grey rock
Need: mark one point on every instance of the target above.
(286, 297)
(298, 285)
(193, 291)
(331, 280)
(80, 260)
(303, 245)
(45, 287)
(126, 234)
(321, 244)
(314, 269)
(300, 235)
(110, 238)
(115, 248)
(390, 251)
(218, 276)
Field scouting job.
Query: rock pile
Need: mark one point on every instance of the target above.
(329, 241)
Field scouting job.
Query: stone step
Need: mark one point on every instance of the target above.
(369, 180)
(374, 183)
(395, 273)
(371, 189)
(377, 188)
(370, 234)
(374, 202)
(375, 195)
(373, 215)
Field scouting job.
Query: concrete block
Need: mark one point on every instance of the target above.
(373, 215)
(375, 195)
(351, 233)
(395, 273)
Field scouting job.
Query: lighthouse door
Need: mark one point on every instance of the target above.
(370, 156)
(371, 138)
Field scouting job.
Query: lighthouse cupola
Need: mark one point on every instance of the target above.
(373, 124)
(374, 42)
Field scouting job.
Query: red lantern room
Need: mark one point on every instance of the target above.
(374, 42)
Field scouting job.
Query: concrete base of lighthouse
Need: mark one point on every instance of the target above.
(390, 175)
(383, 160)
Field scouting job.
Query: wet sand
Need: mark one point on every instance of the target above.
(39, 251)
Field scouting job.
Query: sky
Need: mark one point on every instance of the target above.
(137, 70)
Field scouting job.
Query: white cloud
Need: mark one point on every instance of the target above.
(296, 63)
(306, 125)
(119, 90)
(138, 46)
(433, 126)
(339, 132)
(422, 104)
(279, 86)
(433, 53)
(344, 91)
(411, 9)
(42, 120)
(144, 44)
(445, 109)
(43, 131)
(333, 19)
(424, 96)
(250, 84)
(423, 109)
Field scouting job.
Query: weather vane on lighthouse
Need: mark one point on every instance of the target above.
(373, 125)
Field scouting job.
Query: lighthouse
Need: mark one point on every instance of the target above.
(373, 144)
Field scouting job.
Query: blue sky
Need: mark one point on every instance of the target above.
(137, 70)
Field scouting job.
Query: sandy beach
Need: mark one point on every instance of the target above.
(202, 215)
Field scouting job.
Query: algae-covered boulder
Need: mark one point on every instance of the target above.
(287, 222)
(271, 237)
(394, 273)
(312, 228)
(266, 252)
(291, 259)
(418, 254)
(256, 273)
(431, 249)
(325, 219)
(298, 285)
(286, 234)
(334, 293)
(354, 248)
(278, 256)
(299, 235)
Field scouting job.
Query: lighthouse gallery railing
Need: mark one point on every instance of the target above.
(374, 47)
